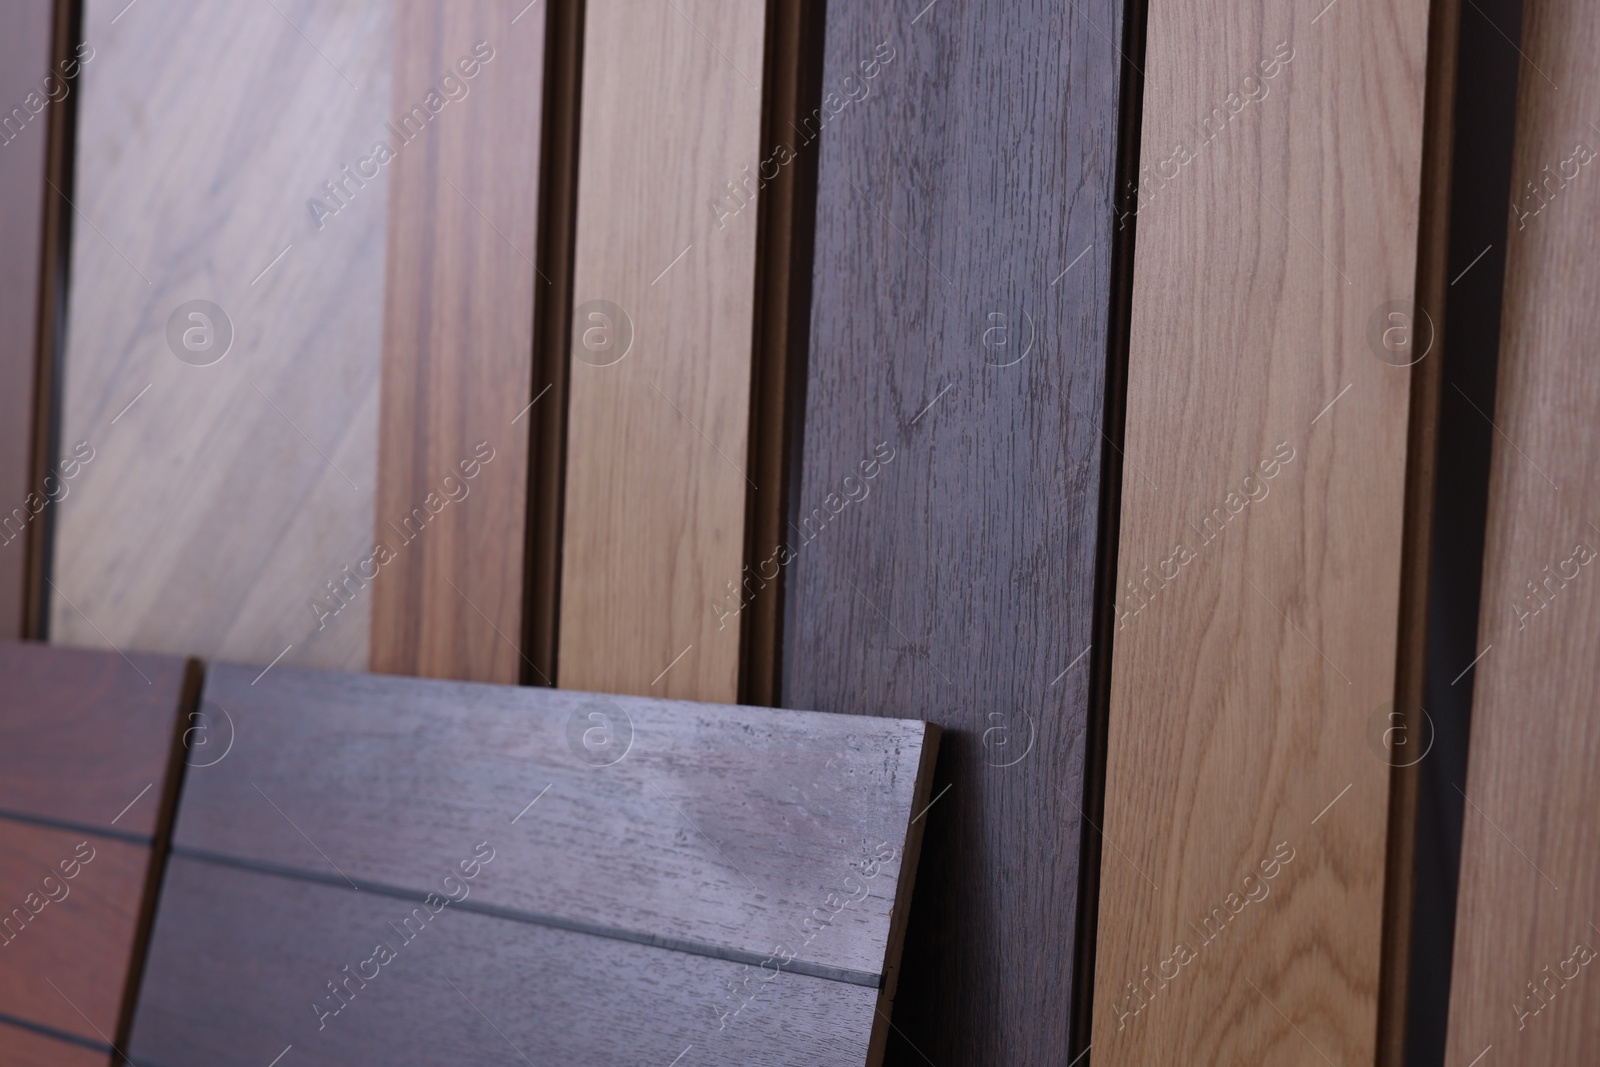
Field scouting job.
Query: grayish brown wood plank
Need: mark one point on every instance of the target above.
(945, 528)
(717, 826)
(241, 962)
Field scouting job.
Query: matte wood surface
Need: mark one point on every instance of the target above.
(241, 959)
(70, 909)
(25, 1048)
(658, 435)
(944, 535)
(221, 500)
(25, 112)
(85, 736)
(1259, 564)
(716, 827)
(1528, 919)
(452, 486)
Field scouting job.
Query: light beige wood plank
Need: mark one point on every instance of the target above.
(219, 505)
(1248, 665)
(1524, 975)
(657, 441)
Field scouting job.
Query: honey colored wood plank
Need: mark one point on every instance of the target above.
(1525, 939)
(446, 568)
(69, 910)
(1247, 780)
(87, 737)
(29, 85)
(243, 961)
(941, 554)
(662, 333)
(214, 504)
(26, 1048)
(715, 826)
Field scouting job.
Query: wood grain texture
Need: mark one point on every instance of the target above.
(69, 910)
(86, 736)
(25, 1048)
(657, 440)
(26, 60)
(944, 528)
(457, 377)
(717, 825)
(222, 500)
(1526, 923)
(241, 959)
(1247, 781)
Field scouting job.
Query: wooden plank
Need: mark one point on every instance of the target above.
(237, 491)
(662, 332)
(686, 837)
(87, 737)
(458, 341)
(1261, 535)
(26, 1048)
(242, 961)
(29, 84)
(1525, 934)
(69, 913)
(942, 555)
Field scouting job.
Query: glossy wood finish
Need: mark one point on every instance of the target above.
(225, 501)
(26, 110)
(657, 437)
(658, 851)
(941, 557)
(26, 1048)
(66, 942)
(1261, 536)
(86, 736)
(1526, 936)
(452, 488)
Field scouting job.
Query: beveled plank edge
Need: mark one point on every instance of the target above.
(824, 971)
(65, 1036)
(1411, 651)
(900, 909)
(46, 823)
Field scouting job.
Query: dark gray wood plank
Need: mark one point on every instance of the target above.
(240, 962)
(944, 535)
(716, 829)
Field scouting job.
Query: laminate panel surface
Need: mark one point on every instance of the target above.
(1262, 518)
(1528, 911)
(664, 291)
(26, 1048)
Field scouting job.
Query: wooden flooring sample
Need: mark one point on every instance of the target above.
(662, 335)
(1528, 914)
(25, 64)
(730, 878)
(941, 556)
(27, 1048)
(216, 505)
(447, 559)
(1263, 499)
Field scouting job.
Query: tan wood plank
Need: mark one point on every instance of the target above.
(446, 566)
(658, 436)
(221, 500)
(1522, 987)
(1261, 536)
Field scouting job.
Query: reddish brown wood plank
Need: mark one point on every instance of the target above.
(87, 736)
(458, 341)
(25, 1048)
